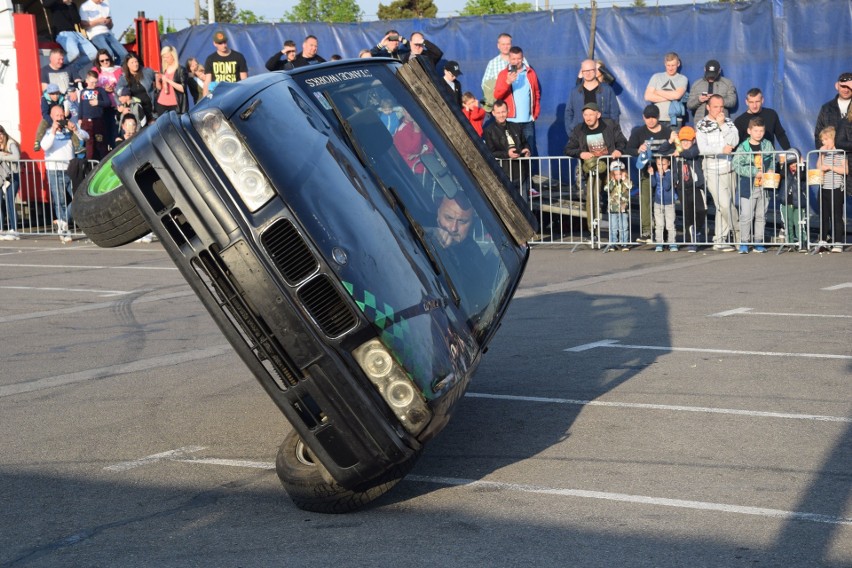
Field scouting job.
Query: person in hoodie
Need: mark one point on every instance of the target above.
(717, 137)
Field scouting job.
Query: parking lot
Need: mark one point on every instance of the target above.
(635, 409)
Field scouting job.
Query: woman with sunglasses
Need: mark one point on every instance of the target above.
(108, 75)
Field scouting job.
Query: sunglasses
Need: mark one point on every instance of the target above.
(107, 59)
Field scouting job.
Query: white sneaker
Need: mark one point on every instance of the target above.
(13, 236)
(148, 238)
(6, 237)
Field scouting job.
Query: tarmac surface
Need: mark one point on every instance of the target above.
(635, 409)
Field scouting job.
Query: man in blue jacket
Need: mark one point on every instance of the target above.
(590, 90)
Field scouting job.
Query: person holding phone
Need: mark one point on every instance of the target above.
(393, 45)
(518, 85)
(712, 83)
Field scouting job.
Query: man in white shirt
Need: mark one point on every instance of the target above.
(58, 145)
(95, 19)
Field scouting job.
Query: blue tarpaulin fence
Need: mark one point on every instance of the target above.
(792, 50)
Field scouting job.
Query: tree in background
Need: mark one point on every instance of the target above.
(163, 28)
(406, 9)
(488, 7)
(226, 12)
(324, 11)
(248, 17)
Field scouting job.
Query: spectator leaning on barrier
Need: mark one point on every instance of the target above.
(61, 141)
(653, 137)
(667, 89)
(774, 130)
(500, 62)
(518, 85)
(424, 49)
(712, 83)
(10, 156)
(835, 110)
(96, 20)
(689, 183)
(834, 168)
(288, 50)
(591, 90)
(506, 142)
(753, 161)
(717, 137)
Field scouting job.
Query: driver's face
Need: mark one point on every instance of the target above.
(455, 220)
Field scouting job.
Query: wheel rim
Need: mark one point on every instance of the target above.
(303, 455)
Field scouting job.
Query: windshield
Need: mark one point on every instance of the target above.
(423, 180)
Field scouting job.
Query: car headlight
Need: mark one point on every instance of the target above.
(392, 382)
(236, 161)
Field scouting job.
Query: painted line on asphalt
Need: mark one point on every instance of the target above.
(614, 343)
(178, 453)
(751, 312)
(838, 286)
(90, 307)
(86, 266)
(101, 293)
(637, 499)
(666, 407)
(114, 370)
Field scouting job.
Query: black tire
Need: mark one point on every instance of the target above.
(109, 219)
(302, 478)
(104, 209)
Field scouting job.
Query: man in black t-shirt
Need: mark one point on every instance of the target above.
(774, 130)
(308, 55)
(224, 65)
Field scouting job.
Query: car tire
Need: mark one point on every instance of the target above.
(302, 477)
(109, 219)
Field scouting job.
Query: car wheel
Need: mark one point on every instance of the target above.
(105, 211)
(303, 478)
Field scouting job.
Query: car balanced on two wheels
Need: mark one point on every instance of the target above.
(360, 286)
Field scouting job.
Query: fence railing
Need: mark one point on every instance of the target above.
(727, 205)
(725, 201)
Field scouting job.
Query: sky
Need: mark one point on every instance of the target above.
(180, 11)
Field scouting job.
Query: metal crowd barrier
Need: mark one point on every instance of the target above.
(571, 204)
(36, 208)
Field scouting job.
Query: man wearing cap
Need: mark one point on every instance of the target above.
(712, 83)
(424, 49)
(834, 111)
(717, 137)
(590, 140)
(451, 74)
(275, 63)
(308, 55)
(224, 65)
(590, 90)
(518, 85)
(655, 138)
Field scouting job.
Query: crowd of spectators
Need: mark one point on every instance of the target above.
(107, 95)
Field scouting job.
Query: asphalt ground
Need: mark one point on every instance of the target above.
(635, 409)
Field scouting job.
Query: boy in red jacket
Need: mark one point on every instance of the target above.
(475, 115)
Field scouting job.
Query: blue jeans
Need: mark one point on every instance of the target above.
(619, 228)
(73, 43)
(11, 215)
(107, 41)
(60, 194)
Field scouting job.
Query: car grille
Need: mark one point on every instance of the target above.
(327, 307)
(252, 328)
(289, 251)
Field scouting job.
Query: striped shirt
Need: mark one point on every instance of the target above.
(832, 179)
